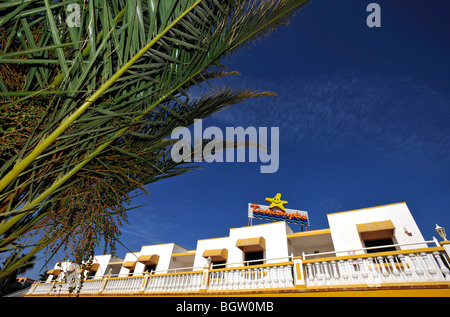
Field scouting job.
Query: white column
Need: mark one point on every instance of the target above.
(446, 245)
(310, 273)
(406, 269)
(261, 277)
(344, 272)
(282, 274)
(384, 272)
(268, 277)
(274, 276)
(254, 278)
(372, 269)
(299, 278)
(326, 272)
(205, 279)
(221, 281)
(430, 269)
(443, 268)
(248, 278)
(363, 270)
(334, 270)
(354, 270)
(395, 271)
(417, 266)
(212, 280)
(319, 276)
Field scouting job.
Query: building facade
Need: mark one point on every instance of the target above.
(378, 249)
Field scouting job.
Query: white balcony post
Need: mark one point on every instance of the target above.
(446, 245)
(319, 275)
(335, 271)
(417, 267)
(33, 287)
(384, 272)
(362, 268)
(261, 277)
(222, 280)
(232, 277)
(430, 269)
(395, 271)
(253, 275)
(406, 269)
(267, 277)
(326, 272)
(205, 279)
(354, 270)
(310, 272)
(281, 278)
(52, 287)
(102, 287)
(372, 268)
(299, 276)
(158, 284)
(144, 284)
(443, 268)
(343, 270)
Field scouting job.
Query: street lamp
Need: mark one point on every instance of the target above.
(441, 232)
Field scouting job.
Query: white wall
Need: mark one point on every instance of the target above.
(275, 235)
(103, 260)
(165, 257)
(210, 244)
(165, 262)
(63, 266)
(275, 238)
(131, 256)
(345, 234)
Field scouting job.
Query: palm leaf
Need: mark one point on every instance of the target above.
(107, 95)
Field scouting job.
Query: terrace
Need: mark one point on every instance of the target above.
(359, 269)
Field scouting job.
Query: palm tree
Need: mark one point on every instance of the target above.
(8, 283)
(87, 109)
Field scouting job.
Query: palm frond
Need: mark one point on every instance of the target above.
(102, 99)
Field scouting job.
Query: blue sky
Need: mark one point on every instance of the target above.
(364, 120)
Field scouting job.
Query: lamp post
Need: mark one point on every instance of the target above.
(441, 232)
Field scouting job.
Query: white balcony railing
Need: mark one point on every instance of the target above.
(420, 266)
(402, 266)
(175, 282)
(276, 275)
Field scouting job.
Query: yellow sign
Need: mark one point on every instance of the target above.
(276, 202)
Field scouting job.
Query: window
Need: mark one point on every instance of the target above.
(378, 233)
(381, 242)
(150, 267)
(219, 264)
(250, 256)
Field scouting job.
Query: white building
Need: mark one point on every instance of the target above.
(371, 249)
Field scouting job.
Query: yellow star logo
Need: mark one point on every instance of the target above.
(276, 202)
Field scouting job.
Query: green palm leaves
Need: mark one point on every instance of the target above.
(86, 111)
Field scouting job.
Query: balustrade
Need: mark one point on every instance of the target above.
(424, 265)
(175, 282)
(366, 269)
(124, 285)
(258, 277)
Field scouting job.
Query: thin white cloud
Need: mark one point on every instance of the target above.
(397, 118)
